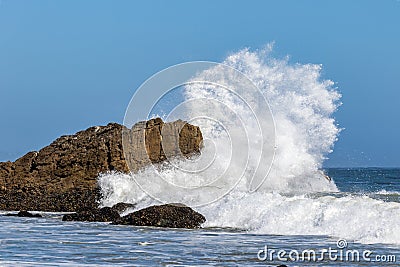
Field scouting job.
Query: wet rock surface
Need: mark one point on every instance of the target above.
(168, 215)
(63, 176)
(105, 214)
(122, 207)
(24, 213)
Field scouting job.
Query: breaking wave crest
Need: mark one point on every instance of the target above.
(302, 105)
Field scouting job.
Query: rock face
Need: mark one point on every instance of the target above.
(169, 215)
(62, 176)
(155, 141)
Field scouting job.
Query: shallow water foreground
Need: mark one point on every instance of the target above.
(49, 241)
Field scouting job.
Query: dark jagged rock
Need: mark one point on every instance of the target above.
(105, 214)
(122, 207)
(63, 175)
(168, 215)
(24, 213)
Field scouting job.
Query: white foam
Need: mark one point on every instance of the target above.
(362, 219)
(302, 105)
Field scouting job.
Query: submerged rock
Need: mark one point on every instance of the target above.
(105, 214)
(63, 176)
(168, 215)
(24, 213)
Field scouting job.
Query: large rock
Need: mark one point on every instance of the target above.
(168, 215)
(63, 175)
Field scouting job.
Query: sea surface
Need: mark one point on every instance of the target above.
(50, 242)
(267, 124)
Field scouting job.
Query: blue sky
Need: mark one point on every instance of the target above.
(68, 65)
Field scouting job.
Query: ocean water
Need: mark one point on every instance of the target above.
(267, 124)
(49, 241)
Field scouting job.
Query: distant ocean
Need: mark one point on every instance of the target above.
(365, 214)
